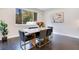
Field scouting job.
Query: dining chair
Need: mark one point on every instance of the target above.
(41, 37)
(24, 39)
(49, 32)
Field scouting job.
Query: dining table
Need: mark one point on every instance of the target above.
(33, 32)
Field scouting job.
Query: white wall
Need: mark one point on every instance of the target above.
(8, 15)
(70, 27)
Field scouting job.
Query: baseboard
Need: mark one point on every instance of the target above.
(67, 35)
(13, 36)
(10, 37)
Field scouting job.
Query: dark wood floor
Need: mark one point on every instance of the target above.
(57, 42)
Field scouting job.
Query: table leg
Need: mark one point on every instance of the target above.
(45, 41)
(33, 40)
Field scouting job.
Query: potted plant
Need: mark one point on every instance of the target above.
(3, 30)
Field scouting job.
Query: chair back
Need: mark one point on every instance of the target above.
(49, 31)
(43, 33)
(22, 36)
